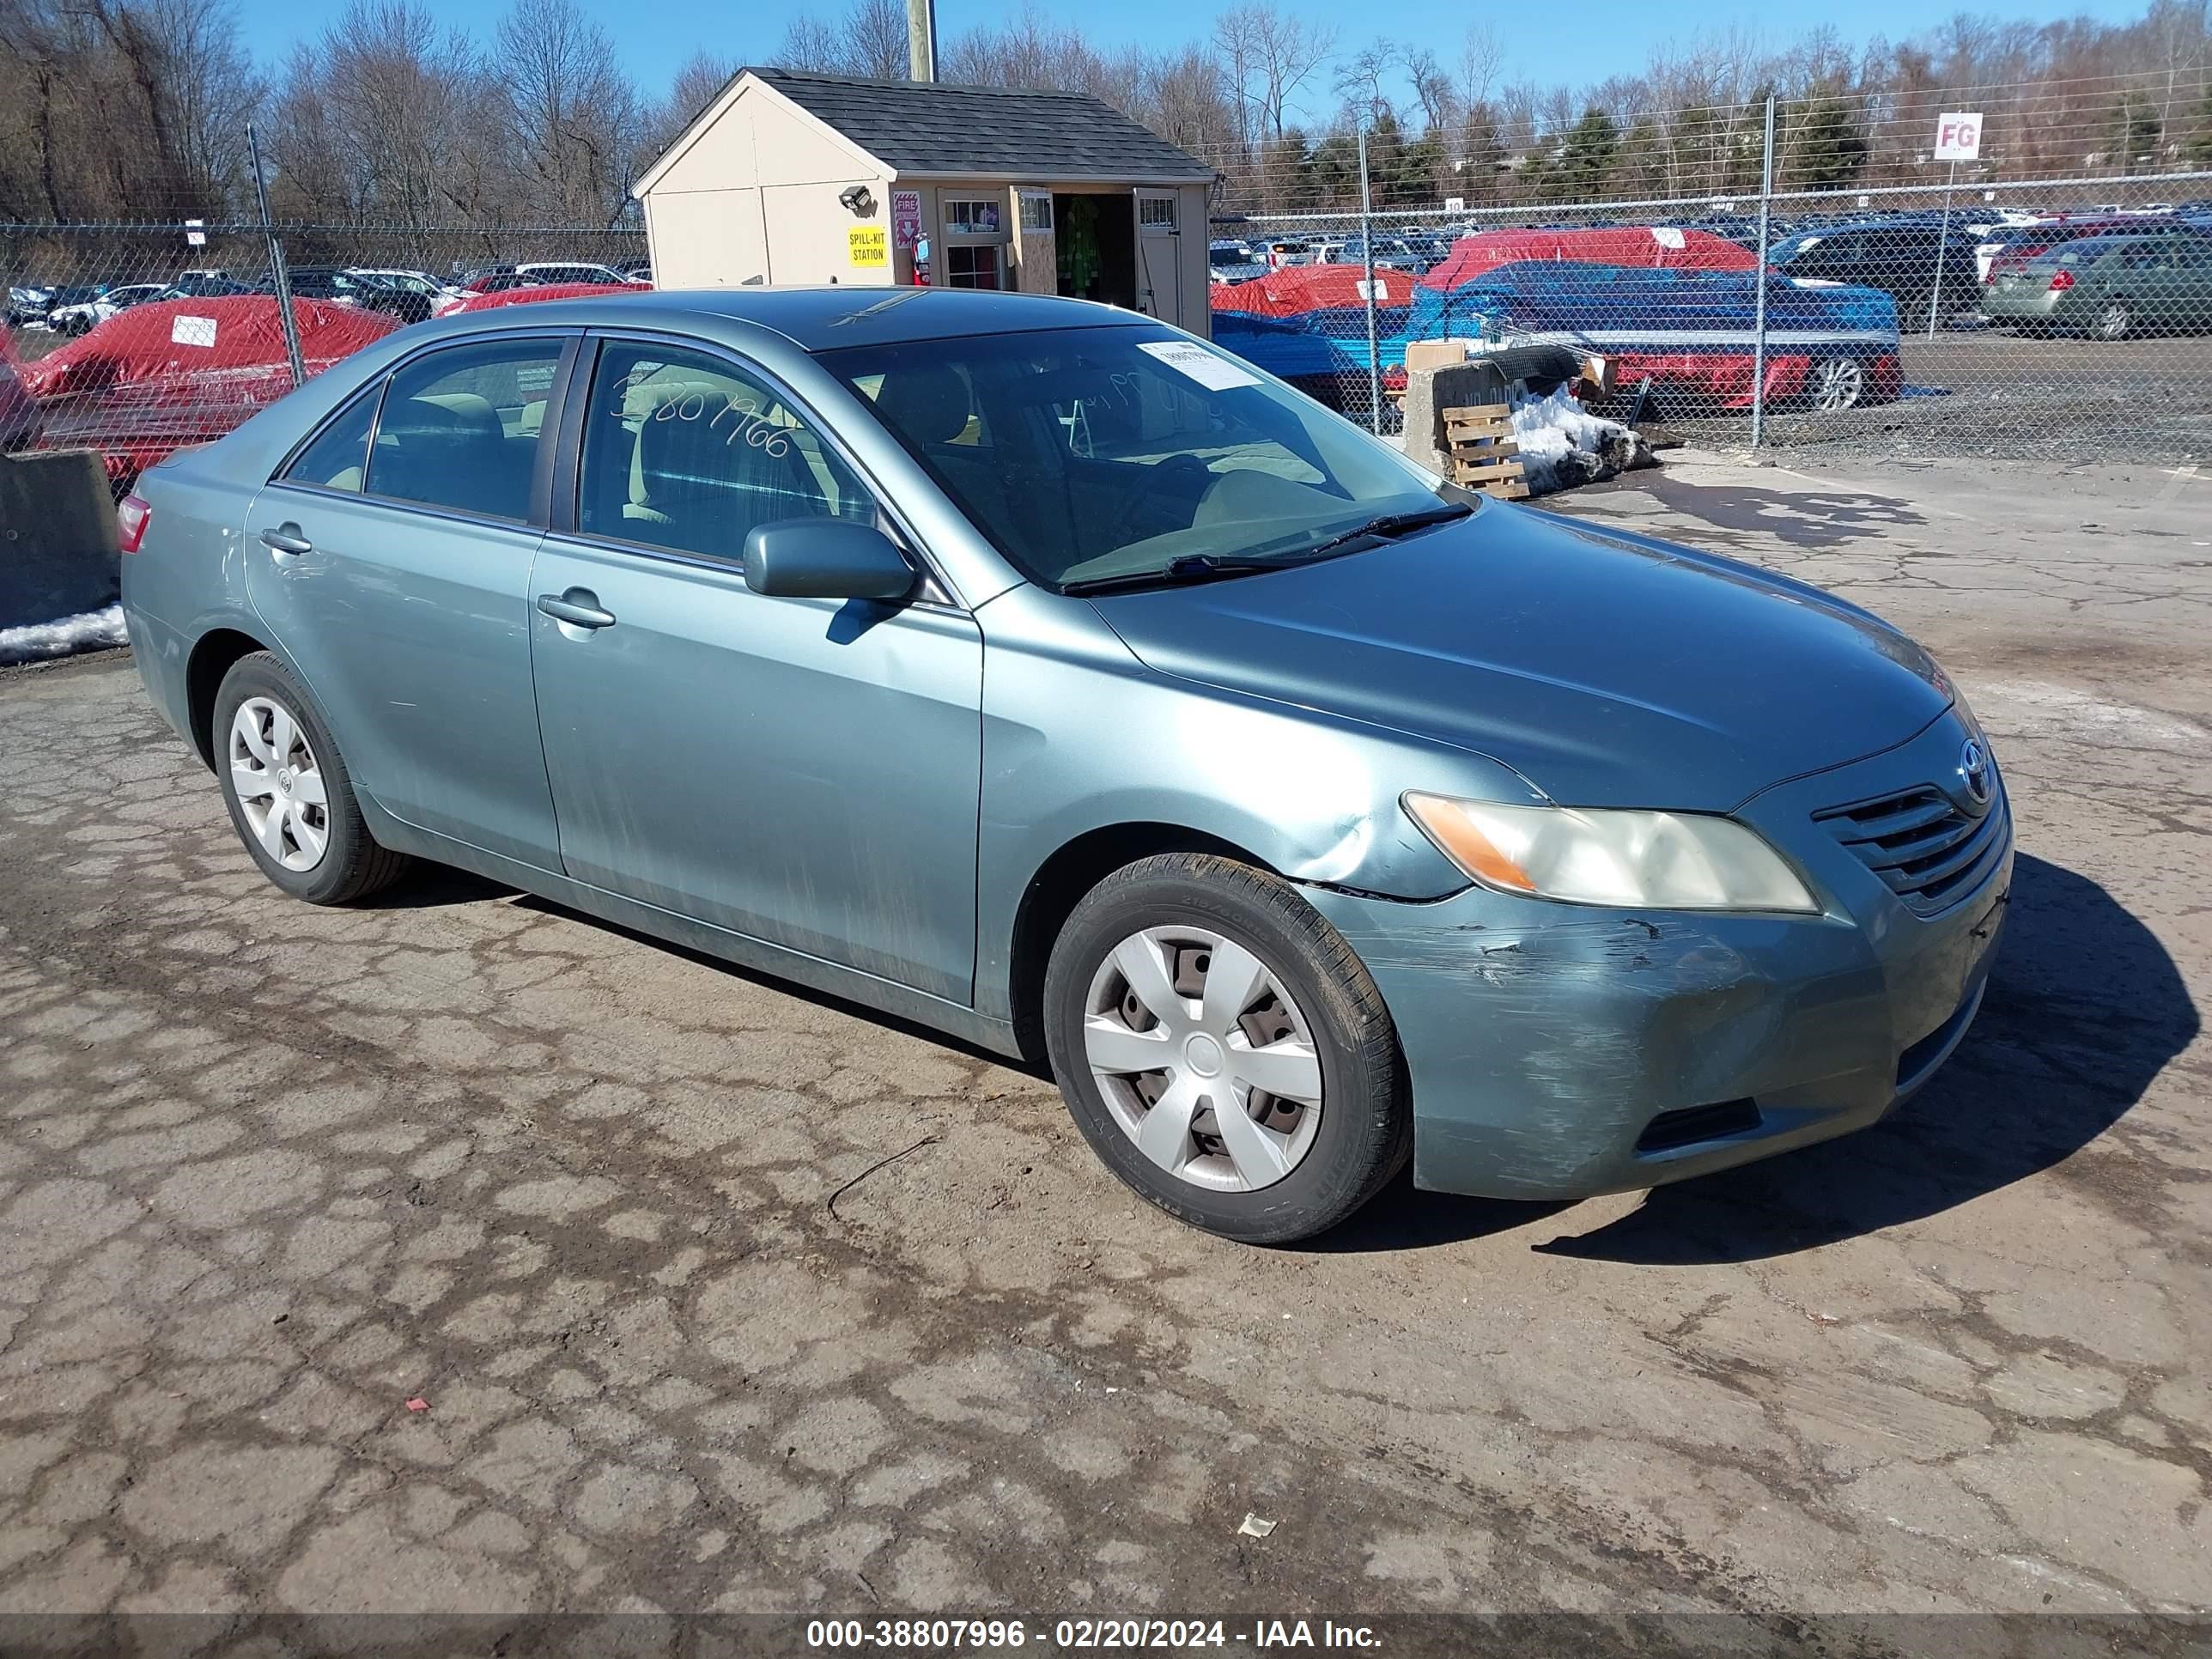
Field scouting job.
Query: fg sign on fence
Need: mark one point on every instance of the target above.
(1959, 137)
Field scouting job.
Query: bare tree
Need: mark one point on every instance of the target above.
(1433, 86)
(869, 41)
(1273, 55)
(571, 116)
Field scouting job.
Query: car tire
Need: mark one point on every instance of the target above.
(1836, 383)
(1298, 1008)
(2113, 322)
(273, 754)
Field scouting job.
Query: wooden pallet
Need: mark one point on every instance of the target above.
(1484, 455)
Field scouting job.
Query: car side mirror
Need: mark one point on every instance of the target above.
(825, 559)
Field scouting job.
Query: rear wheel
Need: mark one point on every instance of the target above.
(2113, 322)
(1224, 1050)
(290, 797)
(1837, 383)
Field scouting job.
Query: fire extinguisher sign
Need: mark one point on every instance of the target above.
(1959, 137)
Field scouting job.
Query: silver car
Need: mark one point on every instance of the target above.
(1039, 672)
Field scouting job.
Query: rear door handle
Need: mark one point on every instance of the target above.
(286, 538)
(579, 607)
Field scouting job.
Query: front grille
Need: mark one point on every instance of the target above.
(1931, 854)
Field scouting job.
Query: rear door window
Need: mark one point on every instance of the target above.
(337, 458)
(460, 428)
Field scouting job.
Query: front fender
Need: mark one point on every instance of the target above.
(1079, 735)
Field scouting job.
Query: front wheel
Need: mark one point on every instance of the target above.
(1224, 1050)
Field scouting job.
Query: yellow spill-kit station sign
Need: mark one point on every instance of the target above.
(868, 245)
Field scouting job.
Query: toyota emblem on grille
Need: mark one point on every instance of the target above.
(1974, 769)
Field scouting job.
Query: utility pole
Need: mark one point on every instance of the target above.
(921, 39)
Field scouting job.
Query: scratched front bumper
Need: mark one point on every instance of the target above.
(1543, 1039)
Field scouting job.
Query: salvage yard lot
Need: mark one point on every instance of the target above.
(721, 1297)
(1990, 392)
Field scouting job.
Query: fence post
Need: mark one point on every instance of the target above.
(279, 280)
(1367, 258)
(1758, 313)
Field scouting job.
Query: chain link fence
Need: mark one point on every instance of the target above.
(2065, 320)
(1797, 273)
(138, 339)
(1812, 269)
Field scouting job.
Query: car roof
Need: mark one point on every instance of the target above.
(825, 318)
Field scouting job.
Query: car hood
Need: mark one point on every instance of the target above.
(1609, 670)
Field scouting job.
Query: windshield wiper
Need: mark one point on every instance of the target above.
(1390, 524)
(1191, 568)
(1216, 567)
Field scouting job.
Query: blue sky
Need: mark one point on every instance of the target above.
(1584, 41)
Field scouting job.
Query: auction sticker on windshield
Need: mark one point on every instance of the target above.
(1214, 374)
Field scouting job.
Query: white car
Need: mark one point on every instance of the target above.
(572, 271)
(82, 319)
(413, 281)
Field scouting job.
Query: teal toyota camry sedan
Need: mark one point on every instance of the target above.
(1034, 670)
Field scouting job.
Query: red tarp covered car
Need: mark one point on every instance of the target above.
(1655, 246)
(1301, 289)
(160, 377)
(523, 296)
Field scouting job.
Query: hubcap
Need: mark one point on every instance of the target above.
(2116, 322)
(278, 784)
(1840, 381)
(1205, 1061)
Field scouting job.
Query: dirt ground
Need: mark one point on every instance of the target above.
(723, 1297)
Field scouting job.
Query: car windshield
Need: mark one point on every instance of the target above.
(1108, 454)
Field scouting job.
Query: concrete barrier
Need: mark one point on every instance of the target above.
(57, 537)
(1453, 386)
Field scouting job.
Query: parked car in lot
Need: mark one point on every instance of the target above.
(2111, 287)
(551, 271)
(82, 316)
(1233, 262)
(405, 280)
(1391, 253)
(1904, 258)
(1098, 699)
(2011, 248)
(27, 305)
(1688, 336)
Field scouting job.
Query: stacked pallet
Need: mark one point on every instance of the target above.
(1478, 438)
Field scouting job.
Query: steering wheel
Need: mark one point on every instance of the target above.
(1171, 478)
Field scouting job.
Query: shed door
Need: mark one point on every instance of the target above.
(1159, 250)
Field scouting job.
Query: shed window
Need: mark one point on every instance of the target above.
(971, 267)
(1037, 210)
(1157, 212)
(977, 218)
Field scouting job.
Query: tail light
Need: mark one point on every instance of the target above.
(2061, 281)
(132, 515)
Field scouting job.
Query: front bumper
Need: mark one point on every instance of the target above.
(1560, 1051)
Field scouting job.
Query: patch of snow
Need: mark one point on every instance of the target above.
(1562, 444)
(88, 630)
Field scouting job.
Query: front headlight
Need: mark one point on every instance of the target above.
(1656, 860)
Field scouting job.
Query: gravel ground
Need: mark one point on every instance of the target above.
(717, 1297)
(1987, 393)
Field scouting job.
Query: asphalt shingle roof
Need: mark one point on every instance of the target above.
(935, 127)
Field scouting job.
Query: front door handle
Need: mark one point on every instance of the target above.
(579, 607)
(286, 540)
